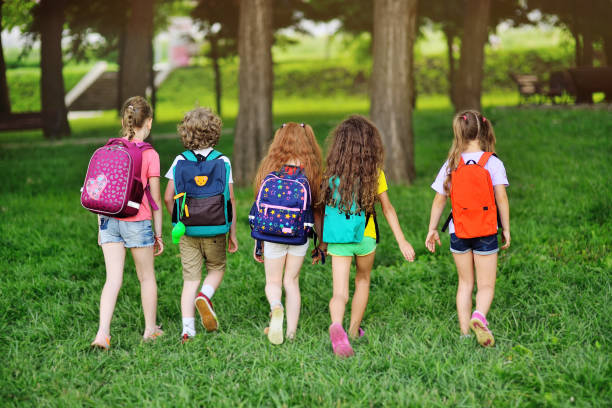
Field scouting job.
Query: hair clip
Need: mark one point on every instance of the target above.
(302, 125)
(464, 118)
(283, 125)
(484, 119)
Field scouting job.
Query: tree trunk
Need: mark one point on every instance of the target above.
(254, 122)
(135, 56)
(214, 56)
(607, 46)
(577, 48)
(449, 34)
(587, 49)
(392, 89)
(54, 112)
(475, 33)
(5, 102)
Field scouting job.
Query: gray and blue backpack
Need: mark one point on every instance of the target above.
(202, 199)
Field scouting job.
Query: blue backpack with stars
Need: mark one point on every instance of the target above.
(282, 212)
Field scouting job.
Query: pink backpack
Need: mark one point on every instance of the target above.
(112, 185)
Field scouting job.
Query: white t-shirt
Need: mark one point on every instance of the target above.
(203, 152)
(494, 166)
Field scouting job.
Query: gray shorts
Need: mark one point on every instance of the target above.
(133, 234)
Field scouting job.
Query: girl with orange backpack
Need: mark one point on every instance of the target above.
(476, 180)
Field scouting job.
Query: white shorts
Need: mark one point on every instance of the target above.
(273, 250)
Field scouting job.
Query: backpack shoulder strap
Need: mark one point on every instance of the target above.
(484, 158)
(213, 155)
(189, 155)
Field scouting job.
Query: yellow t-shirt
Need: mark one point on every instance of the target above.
(370, 229)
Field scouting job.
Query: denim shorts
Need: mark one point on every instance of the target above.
(480, 246)
(133, 234)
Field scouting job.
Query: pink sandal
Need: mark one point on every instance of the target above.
(339, 341)
(479, 326)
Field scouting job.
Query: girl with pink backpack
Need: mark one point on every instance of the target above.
(132, 231)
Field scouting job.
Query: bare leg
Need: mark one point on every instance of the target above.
(362, 292)
(341, 268)
(214, 277)
(190, 290)
(114, 258)
(291, 282)
(465, 272)
(486, 271)
(274, 279)
(143, 260)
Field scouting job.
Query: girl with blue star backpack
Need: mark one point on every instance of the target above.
(282, 219)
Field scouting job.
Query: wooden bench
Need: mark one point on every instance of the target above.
(21, 121)
(529, 87)
(561, 88)
(588, 80)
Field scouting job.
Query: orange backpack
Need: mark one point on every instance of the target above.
(474, 211)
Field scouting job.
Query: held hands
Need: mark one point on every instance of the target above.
(319, 253)
(232, 243)
(505, 239)
(432, 238)
(158, 247)
(406, 250)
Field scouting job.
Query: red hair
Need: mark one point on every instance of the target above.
(293, 142)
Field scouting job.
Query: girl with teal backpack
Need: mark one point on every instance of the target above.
(355, 182)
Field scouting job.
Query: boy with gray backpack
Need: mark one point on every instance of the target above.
(200, 197)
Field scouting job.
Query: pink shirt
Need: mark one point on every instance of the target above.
(494, 166)
(150, 168)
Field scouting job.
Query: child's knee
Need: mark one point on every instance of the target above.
(291, 282)
(340, 297)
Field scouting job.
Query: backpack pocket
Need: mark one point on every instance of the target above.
(278, 221)
(204, 211)
(342, 228)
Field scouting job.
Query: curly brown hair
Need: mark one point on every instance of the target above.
(355, 156)
(199, 129)
(293, 142)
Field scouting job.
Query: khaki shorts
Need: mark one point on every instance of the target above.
(196, 250)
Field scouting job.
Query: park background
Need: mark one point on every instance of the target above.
(551, 314)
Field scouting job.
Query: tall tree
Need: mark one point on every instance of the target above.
(49, 20)
(254, 121)
(471, 62)
(135, 53)
(5, 102)
(392, 88)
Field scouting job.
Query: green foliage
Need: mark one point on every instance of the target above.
(551, 314)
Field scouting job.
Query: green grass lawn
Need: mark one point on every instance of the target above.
(551, 313)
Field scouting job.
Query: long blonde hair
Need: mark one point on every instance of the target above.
(468, 125)
(293, 142)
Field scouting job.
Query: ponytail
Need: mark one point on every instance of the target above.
(135, 111)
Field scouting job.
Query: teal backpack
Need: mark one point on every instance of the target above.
(340, 227)
(202, 198)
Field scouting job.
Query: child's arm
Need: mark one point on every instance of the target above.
(318, 221)
(157, 214)
(504, 212)
(169, 196)
(391, 217)
(437, 207)
(232, 243)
